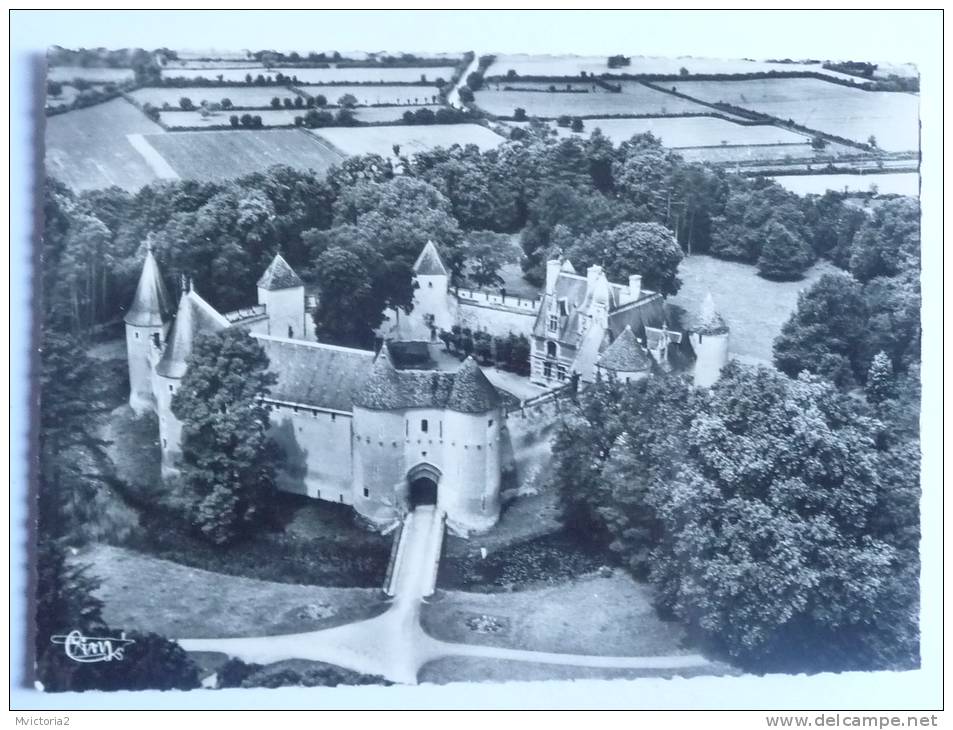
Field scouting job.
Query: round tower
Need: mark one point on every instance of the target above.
(709, 335)
(281, 290)
(193, 316)
(147, 324)
(431, 308)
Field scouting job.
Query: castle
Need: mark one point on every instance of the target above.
(360, 429)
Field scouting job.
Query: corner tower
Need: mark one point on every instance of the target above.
(431, 309)
(708, 334)
(147, 324)
(281, 290)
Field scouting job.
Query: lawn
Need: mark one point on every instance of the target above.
(89, 148)
(892, 117)
(478, 669)
(96, 75)
(891, 183)
(382, 75)
(635, 98)
(242, 96)
(224, 154)
(607, 614)
(143, 593)
(371, 95)
(381, 140)
(754, 308)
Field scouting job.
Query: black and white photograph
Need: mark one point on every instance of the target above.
(403, 367)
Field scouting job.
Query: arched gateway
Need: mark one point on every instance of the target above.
(422, 481)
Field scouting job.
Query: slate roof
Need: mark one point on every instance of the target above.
(429, 262)
(625, 354)
(152, 306)
(194, 316)
(388, 388)
(279, 275)
(707, 321)
(316, 374)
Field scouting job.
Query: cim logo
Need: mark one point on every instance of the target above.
(89, 649)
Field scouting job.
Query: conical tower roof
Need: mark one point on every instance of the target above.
(382, 389)
(194, 316)
(429, 262)
(625, 355)
(279, 275)
(472, 392)
(152, 306)
(708, 321)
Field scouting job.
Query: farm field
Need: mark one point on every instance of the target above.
(381, 140)
(67, 95)
(89, 149)
(372, 94)
(383, 75)
(755, 308)
(212, 63)
(94, 74)
(892, 117)
(635, 98)
(747, 153)
(387, 113)
(269, 118)
(540, 65)
(226, 154)
(891, 183)
(676, 132)
(250, 96)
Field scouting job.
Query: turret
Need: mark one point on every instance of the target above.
(625, 359)
(147, 324)
(431, 306)
(194, 316)
(708, 334)
(281, 290)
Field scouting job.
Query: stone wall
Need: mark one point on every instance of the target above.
(499, 321)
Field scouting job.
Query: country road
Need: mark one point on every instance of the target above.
(453, 98)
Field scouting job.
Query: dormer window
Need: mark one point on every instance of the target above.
(553, 323)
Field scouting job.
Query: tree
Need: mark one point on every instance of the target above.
(54, 88)
(226, 103)
(466, 94)
(475, 81)
(519, 114)
(563, 120)
(772, 548)
(486, 252)
(228, 460)
(577, 124)
(348, 101)
(818, 142)
(889, 242)
(185, 104)
(321, 100)
(275, 102)
(233, 120)
(647, 249)
(824, 335)
(784, 256)
(348, 310)
(880, 379)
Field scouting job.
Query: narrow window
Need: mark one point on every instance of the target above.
(319, 494)
(171, 389)
(136, 335)
(483, 504)
(423, 425)
(430, 285)
(155, 339)
(341, 498)
(333, 416)
(291, 332)
(165, 444)
(407, 427)
(553, 323)
(367, 492)
(441, 428)
(490, 424)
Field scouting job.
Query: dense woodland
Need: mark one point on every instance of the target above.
(776, 512)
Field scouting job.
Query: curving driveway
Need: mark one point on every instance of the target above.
(394, 645)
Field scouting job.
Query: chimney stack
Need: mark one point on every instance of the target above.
(552, 272)
(635, 286)
(593, 273)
